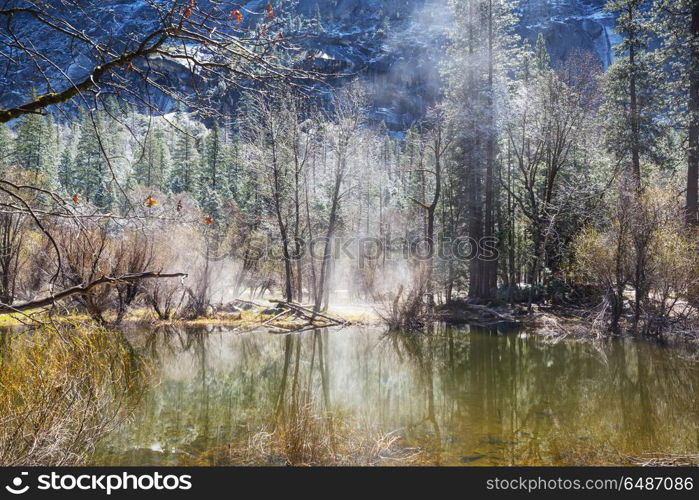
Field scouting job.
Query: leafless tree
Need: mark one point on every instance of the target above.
(189, 52)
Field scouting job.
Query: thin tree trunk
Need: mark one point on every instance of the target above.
(288, 293)
(693, 159)
(634, 118)
(489, 278)
(321, 291)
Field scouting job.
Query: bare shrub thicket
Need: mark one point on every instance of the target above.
(642, 265)
(170, 235)
(134, 253)
(407, 308)
(166, 237)
(12, 229)
(94, 249)
(85, 251)
(17, 243)
(166, 297)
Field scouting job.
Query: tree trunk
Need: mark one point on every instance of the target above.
(489, 278)
(475, 229)
(297, 237)
(634, 118)
(321, 290)
(693, 159)
(288, 289)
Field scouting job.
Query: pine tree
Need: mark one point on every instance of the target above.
(152, 168)
(66, 164)
(318, 18)
(6, 145)
(92, 176)
(115, 116)
(635, 110)
(541, 53)
(411, 164)
(234, 170)
(676, 23)
(211, 202)
(65, 170)
(632, 88)
(184, 175)
(482, 55)
(35, 148)
(213, 174)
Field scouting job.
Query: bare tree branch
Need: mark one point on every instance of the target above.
(83, 289)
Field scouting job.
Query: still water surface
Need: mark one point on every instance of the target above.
(468, 396)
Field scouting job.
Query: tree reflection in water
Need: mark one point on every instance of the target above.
(462, 396)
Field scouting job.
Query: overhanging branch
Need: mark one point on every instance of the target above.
(82, 289)
(41, 102)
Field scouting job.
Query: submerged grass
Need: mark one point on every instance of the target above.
(62, 387)
(310, 437)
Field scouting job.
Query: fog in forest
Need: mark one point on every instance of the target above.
(290, 166)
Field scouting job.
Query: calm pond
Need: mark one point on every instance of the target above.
(469, 396)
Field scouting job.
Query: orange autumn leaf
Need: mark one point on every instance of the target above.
(270, 14)
(150, 202)
(237, 15)
(187, 12)
(280, 36)
(130, 66)
(208, 220)
(76, 198)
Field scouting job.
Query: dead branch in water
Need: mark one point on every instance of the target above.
(283, 313)
(83, 289)
(305, 311)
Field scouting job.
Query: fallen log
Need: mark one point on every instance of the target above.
(247, 302)
(306, 311)
(283, 313)
(488, 310)
(299, 310)
(304, 328)
(465, 312)
(283, 330)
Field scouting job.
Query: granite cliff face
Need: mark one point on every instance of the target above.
(397, 44)
(394, 45)
(569, 25)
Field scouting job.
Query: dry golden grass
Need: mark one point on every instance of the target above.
(29, 317)
(62, 387)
